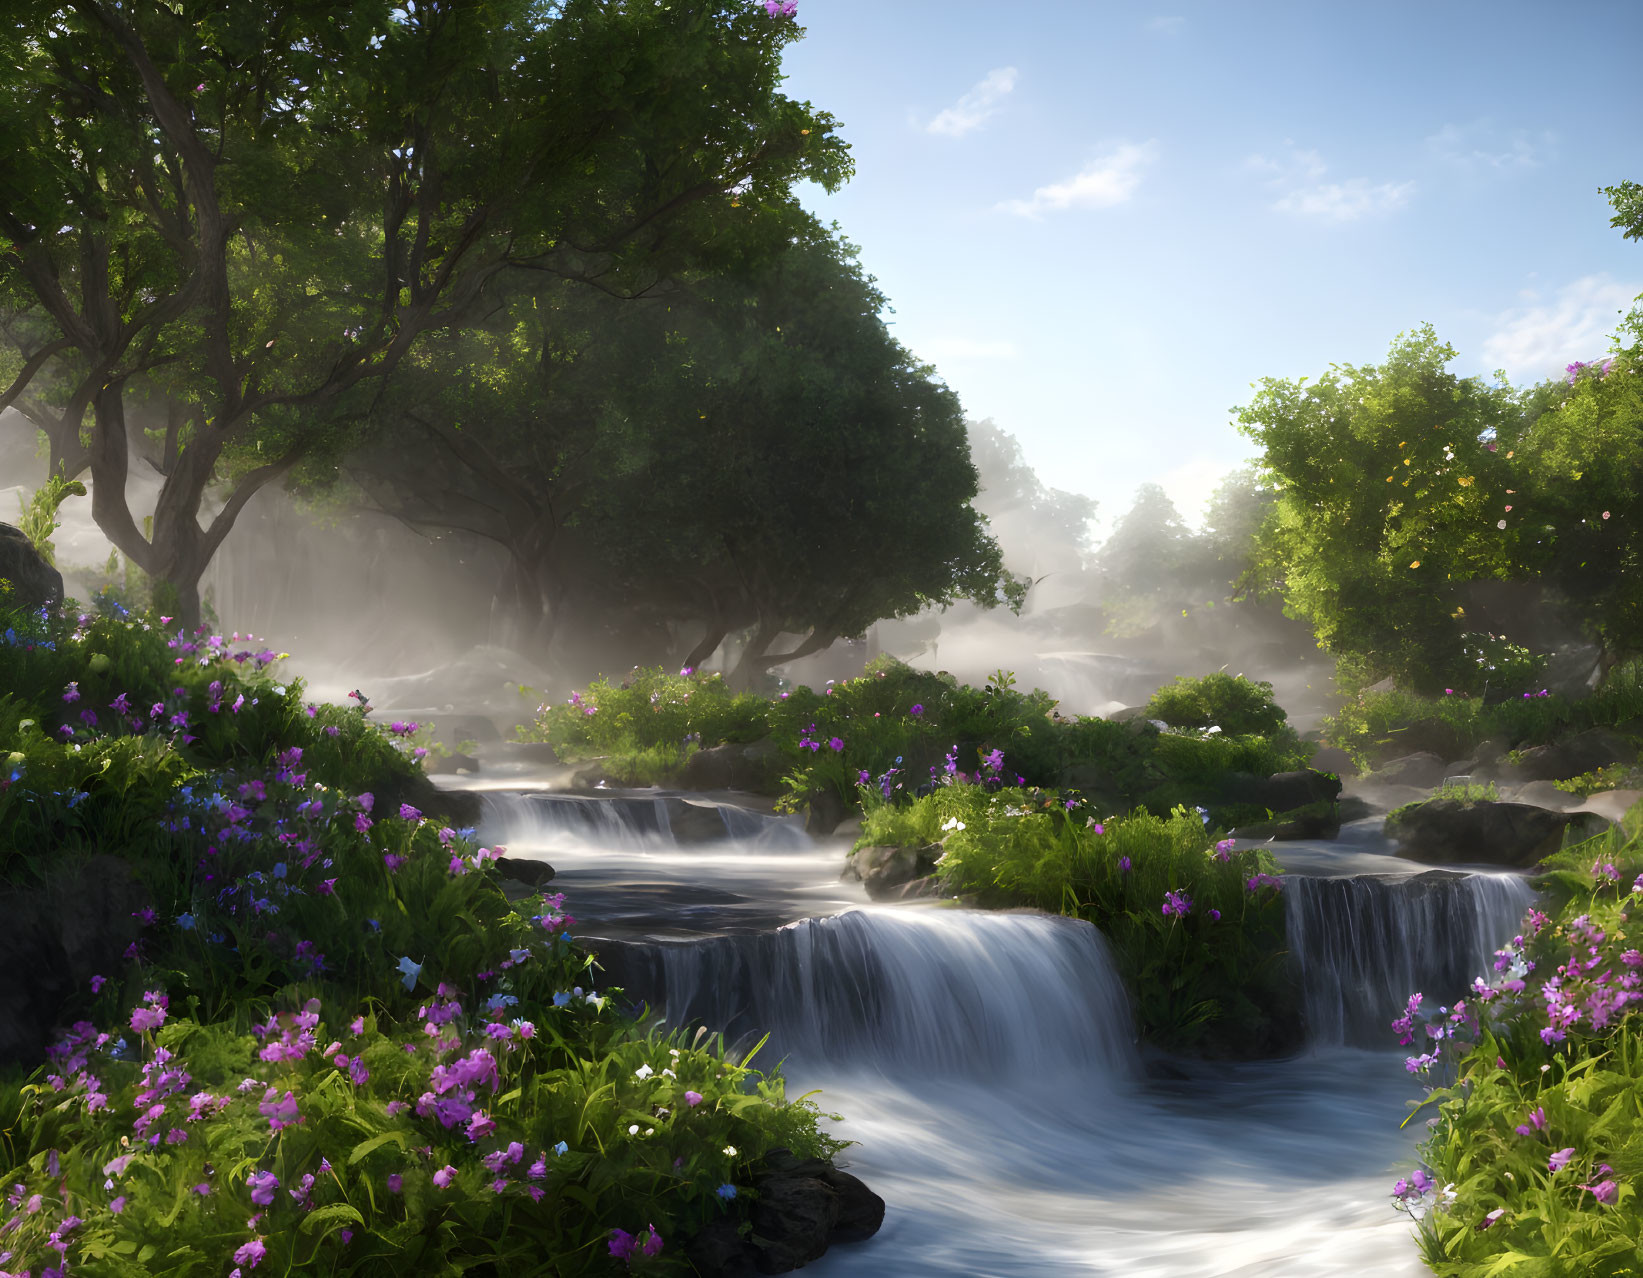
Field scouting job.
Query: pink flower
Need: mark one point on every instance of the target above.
(444, 1176)
(693, 1099)
(1558, 1161)
(1605, 1191)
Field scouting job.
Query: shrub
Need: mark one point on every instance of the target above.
(1236, 705)
(1197, 928)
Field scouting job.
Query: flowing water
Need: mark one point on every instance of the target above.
(984, 1062)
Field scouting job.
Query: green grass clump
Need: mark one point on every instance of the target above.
(1236, 705)
(1197, 928)
(335, 1046)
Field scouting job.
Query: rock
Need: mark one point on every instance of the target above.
(927, 888)
(594, 777)
(1333, 759)
(694, 822)
(1281, 792)
(755, 767)
(1127, 714)
(1584, 752)
(720, 1251)
(885, 869)
(455, 807)
(824, 811)
(1315, 821)
(1490, 750)
(1446, 831)
(1425, 770)
(33, 580)
(1613, 805)
(804, 1206)
(451, 764)
(1543, 794)
(525, 869)
(53, 939)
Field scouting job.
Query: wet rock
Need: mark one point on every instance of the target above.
(802, 1207)
(526, 870)
(1424, 769)
(694, 822)
(53, 938)
(1333, 759)
(1584, 752)
(1315, 821)
(927, 888)
(823, 812)
(885, 869)
(1446, 831)
(1281, 792)
(33, 580)
(755, 767)
(594, 777)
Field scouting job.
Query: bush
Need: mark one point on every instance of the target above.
(478, 1107)
(1197, 928)
(1538, 1136)
(1236, 705)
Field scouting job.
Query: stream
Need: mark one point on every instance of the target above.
(983, 1061)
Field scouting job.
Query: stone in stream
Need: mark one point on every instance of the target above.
(1423, 769)
(33, 580)
(885, 869)
(525, 869)
(1447, 831)
(803, 1206)
(755, 767)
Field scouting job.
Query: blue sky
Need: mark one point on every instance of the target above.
(1103, 222)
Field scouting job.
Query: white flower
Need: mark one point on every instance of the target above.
(667, 1073)
(731, 1150)
(644, 1071)
(633, 1130)
(952, 823)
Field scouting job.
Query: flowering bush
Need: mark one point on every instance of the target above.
(335, 1044)
(1197, 927)
(1537, 1138)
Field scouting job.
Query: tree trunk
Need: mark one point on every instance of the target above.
(709, 644)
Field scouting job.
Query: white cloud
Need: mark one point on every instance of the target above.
(1540, 339)
(942, 350)
(1297, 178)
(1110, 180)
(1346, 201)
(976, 106)
(1480, 145)
(1191, 484)
(1166, 26)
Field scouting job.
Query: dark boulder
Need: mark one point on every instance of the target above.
(694, 822)
(1447, 831)
(1330, 758)
(53, 939)
(525, 869)
(33, 580)
(755, 767)
(1281, 792)
(1315, 821)
(824, 811)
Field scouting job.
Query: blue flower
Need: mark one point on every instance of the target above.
(498, 1001)
(412, 970)
(186, 922)
(560, 1148)
(727, 1192)
(561, 999)
(279, 869)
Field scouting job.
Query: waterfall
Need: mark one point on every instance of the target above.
(954, 993)
(629, 822)
(1365, 944)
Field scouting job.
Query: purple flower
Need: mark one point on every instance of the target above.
(1124, 864)
(1605, 1191)
(916, 711)
(408, 813)
(444, 1176)
(776, 9)
(395, 1183)
(264, 1184)
(251, 1254)
(835, 744)
(1558, 1161)
(693, 1099)
(1178, 904)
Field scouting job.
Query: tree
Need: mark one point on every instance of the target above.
(248, 210)
(1389, 481)
(1045, 530)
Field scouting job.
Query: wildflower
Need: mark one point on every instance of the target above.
(693, 1099)
(835, 744)
(72, 692)
(444, 1176)
(411, 971)
(1124, 865)
(643, 1072)
(395, 1182)
(1491, 1217)
(1605, 1191)
(1178, 904)
(916, 711)
(151, 1017)
(779, 9)
(408, 813)
(264, 1185)
(252, 1253)
(1558, 1161)
(726, 1191)
(1537, 1120)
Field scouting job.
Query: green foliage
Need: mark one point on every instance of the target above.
(39, 514)
(1615, 776)
(1541, 1143)
(1211, 980)
(1236, 705)
(293, 908)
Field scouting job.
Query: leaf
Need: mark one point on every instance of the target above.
(365, 1149)
(330, 1217)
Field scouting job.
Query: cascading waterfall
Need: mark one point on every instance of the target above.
(906, 992)
(1365, 944)
(631, 822)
